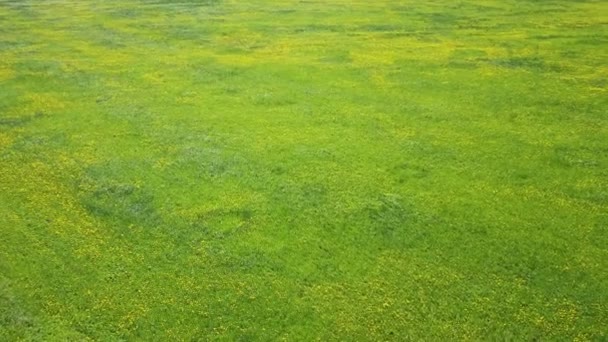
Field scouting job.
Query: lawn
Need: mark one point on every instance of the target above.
(302, 170)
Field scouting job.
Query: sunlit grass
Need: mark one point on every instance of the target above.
(337, 170)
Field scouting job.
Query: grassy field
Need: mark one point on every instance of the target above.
(299, 170)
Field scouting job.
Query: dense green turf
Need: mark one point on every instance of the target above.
(348, 170)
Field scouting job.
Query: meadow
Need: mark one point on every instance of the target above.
(303, 170)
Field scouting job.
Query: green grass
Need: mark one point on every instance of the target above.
(299, 170)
